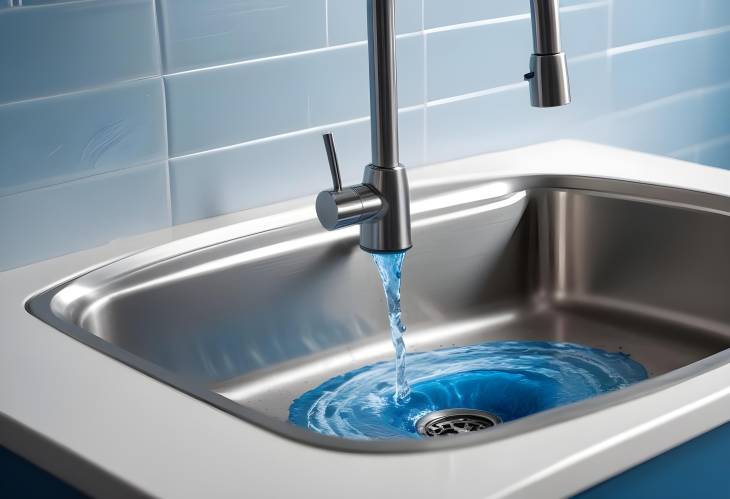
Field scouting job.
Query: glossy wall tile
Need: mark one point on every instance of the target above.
(55, 139)
(347, 19)
(97, 97)
(51, 221)
(64, 47)
(205, 33)
(242, 102)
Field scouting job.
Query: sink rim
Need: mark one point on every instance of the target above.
(40, 305)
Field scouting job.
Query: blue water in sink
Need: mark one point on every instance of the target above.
(510, 379)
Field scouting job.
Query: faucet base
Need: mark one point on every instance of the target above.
(390, 231)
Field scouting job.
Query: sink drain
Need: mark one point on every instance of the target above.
(455, 421)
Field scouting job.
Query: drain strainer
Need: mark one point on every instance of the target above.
(455, 421)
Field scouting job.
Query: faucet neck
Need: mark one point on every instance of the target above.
(545, 27)
(383, 83)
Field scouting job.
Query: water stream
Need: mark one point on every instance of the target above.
(389, 267)
(510, 379)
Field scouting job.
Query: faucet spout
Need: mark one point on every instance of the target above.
(548, 76)
(383, 83)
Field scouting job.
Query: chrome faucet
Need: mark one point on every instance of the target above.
(380, 204)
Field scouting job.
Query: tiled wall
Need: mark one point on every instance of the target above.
(123, 116)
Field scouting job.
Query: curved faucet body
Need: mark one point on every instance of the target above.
(381, 204)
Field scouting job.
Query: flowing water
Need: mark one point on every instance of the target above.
(389, 267)
(510, 379)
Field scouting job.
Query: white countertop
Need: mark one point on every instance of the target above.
(167, 444)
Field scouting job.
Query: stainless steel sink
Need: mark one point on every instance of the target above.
(250, 323)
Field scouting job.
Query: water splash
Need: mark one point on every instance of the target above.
(389, 267)
(510, 379)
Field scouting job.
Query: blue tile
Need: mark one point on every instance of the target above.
(462, 61)
(640, 20)
(715, 13)
(202, 33)
(586, 31)
(46, 50)
(687, 154)
(716, 110)
(29, 3)
(234, 104)
(505, 119)
(468, 60)
(654, 72)
(52, 221)
(56, 139)
(347, 19)
(256, 174)
(659, 127)
(716, 154)
(449, 12)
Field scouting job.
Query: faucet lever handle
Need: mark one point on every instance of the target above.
(329, 145)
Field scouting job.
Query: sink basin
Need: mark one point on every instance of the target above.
(250, 323)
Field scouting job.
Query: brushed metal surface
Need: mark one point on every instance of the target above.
(383, 83)
(545, 17)
(249, 324)
(390, 230)
(549, 81)
(548, 76)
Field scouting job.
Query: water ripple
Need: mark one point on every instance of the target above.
(511, 379)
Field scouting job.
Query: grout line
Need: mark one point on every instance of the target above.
(440, 102)
(166, 120)
(168, 173)
(473, 95)
(277, 57)
(423, 15)
(294, 133)
(506, 19)
(698, 147)
(120, 170)
(288, 55)
(649, 105)
(717, 141)
(510, 86)
(498, 20)
(667, 40)
(475, 24)
(157, 13)
(100, 88)
(610, 62)
(19, 3)
(327, 23)
(690, 151)
(424, 152)
(610, 23)
(652, 104)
